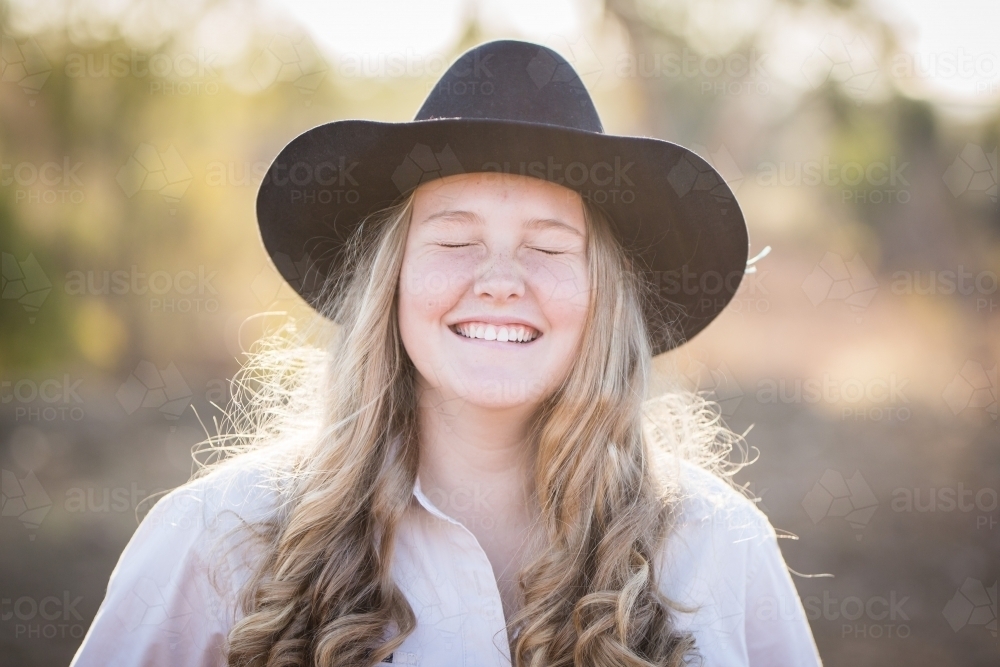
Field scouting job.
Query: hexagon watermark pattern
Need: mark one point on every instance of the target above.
(24, 498)
(149, 169)
(834, 279)
(719, 383)
(851, 64)
(422, 164)
(147, 604)
(24, 282)
(288, 60)
(973, 604)
(973, 171)
(147, 387)
(24, 64)
(689, 175)
(973, 387)
(834, 496)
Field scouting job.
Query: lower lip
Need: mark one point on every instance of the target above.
(497, 344)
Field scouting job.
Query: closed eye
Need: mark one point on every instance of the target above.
(547, 252)
(454, 245)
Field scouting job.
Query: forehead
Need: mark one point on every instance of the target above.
(490, 194)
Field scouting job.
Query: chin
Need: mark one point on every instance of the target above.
(502, 391)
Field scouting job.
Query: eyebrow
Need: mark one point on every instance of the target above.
(475, 218)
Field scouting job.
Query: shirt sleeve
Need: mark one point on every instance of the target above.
(161, 607)
(777, 631)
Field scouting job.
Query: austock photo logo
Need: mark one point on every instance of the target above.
(23, 282)
(858, 617)
(874, 182)
(978, 503)
(979, 287)
(172, 74)
(980, 68)
(311, 183)
(50, 182)
(47, 400)
(183, 291)
(47, 618)
(235, 174)
(395, 64)
(25, 499)
(873, 399)
(601, 181)
(739, 73)
(835, 495)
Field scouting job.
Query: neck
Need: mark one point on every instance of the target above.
(474, 462)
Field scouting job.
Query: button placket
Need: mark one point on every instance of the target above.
(470, 558)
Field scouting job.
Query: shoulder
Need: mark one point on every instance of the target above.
(718, 537)
(207, 526)
(241, 492)
(707, 501)
(216, 520)
(172, 597)
(708, 559)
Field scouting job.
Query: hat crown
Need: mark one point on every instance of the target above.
(513, 81)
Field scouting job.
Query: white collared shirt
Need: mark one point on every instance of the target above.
(162, 608)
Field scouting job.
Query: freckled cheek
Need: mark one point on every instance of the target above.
(562, 287)
(432, 286)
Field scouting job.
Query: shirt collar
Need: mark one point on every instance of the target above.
(422, 498)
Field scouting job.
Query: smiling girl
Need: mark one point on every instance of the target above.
(468, 469)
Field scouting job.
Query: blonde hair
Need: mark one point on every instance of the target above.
(336, 423)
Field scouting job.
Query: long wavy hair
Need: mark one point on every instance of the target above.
(331, 411)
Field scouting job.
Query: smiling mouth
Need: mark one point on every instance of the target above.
(506, 333)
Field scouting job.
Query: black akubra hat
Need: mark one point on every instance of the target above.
(521, 108)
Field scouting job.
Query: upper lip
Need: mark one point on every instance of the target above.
(496, 320)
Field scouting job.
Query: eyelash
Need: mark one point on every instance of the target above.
(465, 245)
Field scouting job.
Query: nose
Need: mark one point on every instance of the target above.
(500, 279)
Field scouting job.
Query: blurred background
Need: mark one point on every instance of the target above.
(861, 140)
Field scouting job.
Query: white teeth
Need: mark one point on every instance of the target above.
(502, 333)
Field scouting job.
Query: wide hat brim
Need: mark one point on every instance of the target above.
(673, 212)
